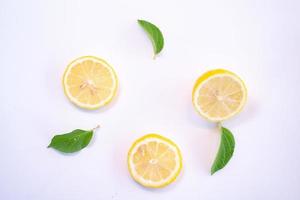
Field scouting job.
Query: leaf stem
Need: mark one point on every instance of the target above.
(95, 128)
(219, 126)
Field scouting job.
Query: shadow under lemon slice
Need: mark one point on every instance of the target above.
(154, 161)
(90, 82)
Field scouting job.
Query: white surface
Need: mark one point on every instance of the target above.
(259, 40)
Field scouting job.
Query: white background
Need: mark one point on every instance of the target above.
(257, 39)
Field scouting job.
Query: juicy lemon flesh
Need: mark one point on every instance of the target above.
(89, 82)
(220, 96)
(155, 163)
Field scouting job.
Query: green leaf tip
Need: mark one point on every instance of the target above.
(225, 151)
(154, 34)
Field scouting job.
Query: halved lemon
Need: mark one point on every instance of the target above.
(154, 161)
(90, 82)
(219, 94)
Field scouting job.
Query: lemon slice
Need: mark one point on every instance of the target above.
(90, 82)
(219, 94)
(154, 161)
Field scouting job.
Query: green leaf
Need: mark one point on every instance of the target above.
(225, 151)
(154, 34)
(71, 142)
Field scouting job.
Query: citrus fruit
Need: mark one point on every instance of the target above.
(154, 161)
(90, 82)
(219, 94)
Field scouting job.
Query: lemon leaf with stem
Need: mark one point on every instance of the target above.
(225, 151)
(73, 141)
(154, 34)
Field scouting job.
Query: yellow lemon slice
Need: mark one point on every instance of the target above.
(154, 161)
(219, 94)
(90, 82)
